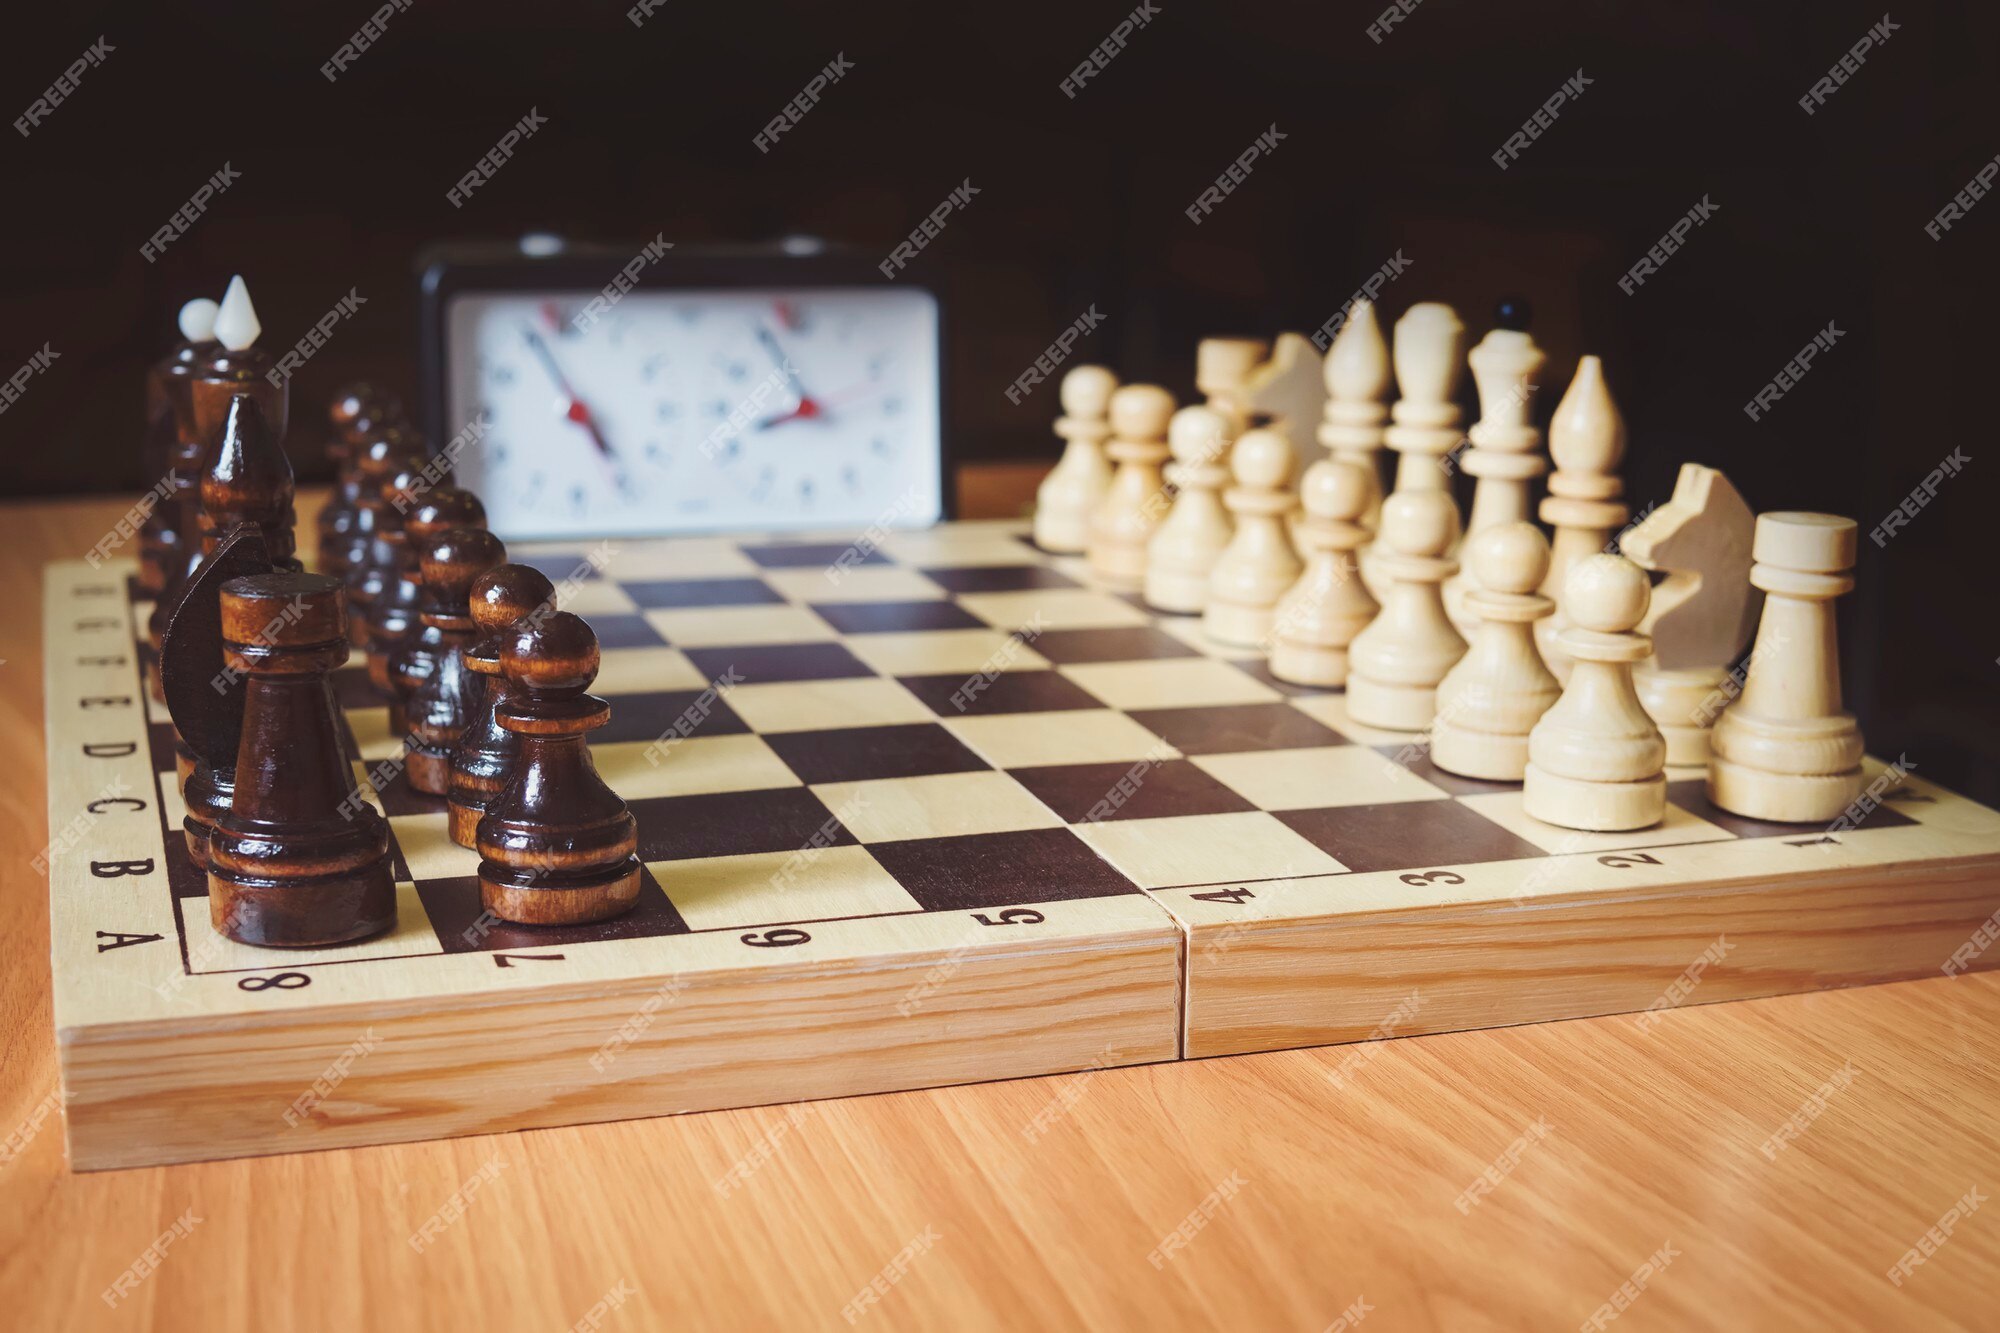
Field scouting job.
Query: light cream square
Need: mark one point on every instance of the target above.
(1188, 682)
(734, 626)
(766, 888)
(1077, 736)
(937, 806)
(1321, 776)
(691, 766)
(1205, 849)
(818, 705)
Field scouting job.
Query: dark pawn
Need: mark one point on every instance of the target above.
(558, 847)
(182, 507)
(436, 709)
(163, 542)
(368, 558)
(1514, 314)
(358, 412)
(300, 859)
(247, 485)
(484, 759)
(394, 617)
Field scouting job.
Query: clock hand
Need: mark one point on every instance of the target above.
(809, 409)
(575, 408)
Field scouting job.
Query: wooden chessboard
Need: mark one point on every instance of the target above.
(964, 817)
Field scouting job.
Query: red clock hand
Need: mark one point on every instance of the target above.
(574, 407)
(806, 410)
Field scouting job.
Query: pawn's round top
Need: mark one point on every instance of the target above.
(386, 451)
(1140, 411)
(453, 559)
(506, 593)
(1606, 593)
(1086, 391)
(1805, 543)
(555, 654)
(197, 320)
(1419, 523)
(1198, 434)
(278, 611)
(1335, 488)
(1261, 459)
(1510, 558)
(401, 489)
(443, 507)
(1513, 312)
(354, 401)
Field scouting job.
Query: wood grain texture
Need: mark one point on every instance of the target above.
(1036, 1203)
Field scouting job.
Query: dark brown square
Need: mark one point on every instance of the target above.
(761, 664)
(1407, 835)
(683, 713)
(984, 871)
(463, 927)
(888, 617)
(625, 631)
(1237, 728)
(1415, 755)
(735, 823)
(860, 754)
(806, 555)
(666, 594)
(1131, 643)
(998, 578)
(561, 565)
(352, 689)
(1691, 795)
(980, 695)
(1086, 793)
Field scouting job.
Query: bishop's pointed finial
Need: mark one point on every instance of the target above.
(236, 325)
(197, 320)
(1357, 365)
(1587, 434)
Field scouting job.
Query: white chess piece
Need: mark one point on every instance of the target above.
(1492, 699)
(1287, 393)
(1124, 521)
(1703, 612)
(1596, 761)
(1074, 488)
(197, 320)
(1357, 381)
(1423, 424)
(1502, 456)
(1319, 617)
(1587, 440)
(1259, 563)
(236, 325)
(1785, 749)
(1396, 663)
(1222, 368)
(1183, 553)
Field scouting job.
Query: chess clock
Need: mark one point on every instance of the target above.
(604, 390)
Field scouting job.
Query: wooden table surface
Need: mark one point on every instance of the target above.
(1281, 1191)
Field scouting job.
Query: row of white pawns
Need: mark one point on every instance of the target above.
(1544, 693)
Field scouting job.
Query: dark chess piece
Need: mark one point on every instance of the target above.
(436, 707)
(394, 618)
(484, 759)
(366, 557)
(187, 454)
(300, 859)
(1513, 313)
(558, 846)
(358, 410)
(162, 541)
(246, 490)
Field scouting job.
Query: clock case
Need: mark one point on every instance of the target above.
(475, 268)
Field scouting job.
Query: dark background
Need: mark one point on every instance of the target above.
(1388, 149)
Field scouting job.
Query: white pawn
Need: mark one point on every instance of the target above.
(1329, 604)
(1124, 521)
(1492, 699)
(1074, 488)
(1786, 750)
(1182, 554)
(1596, 761)
(1259, 563)
(1397, 662)
(1222, 368)
(1584, 504)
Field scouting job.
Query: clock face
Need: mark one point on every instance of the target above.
(698, 409)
